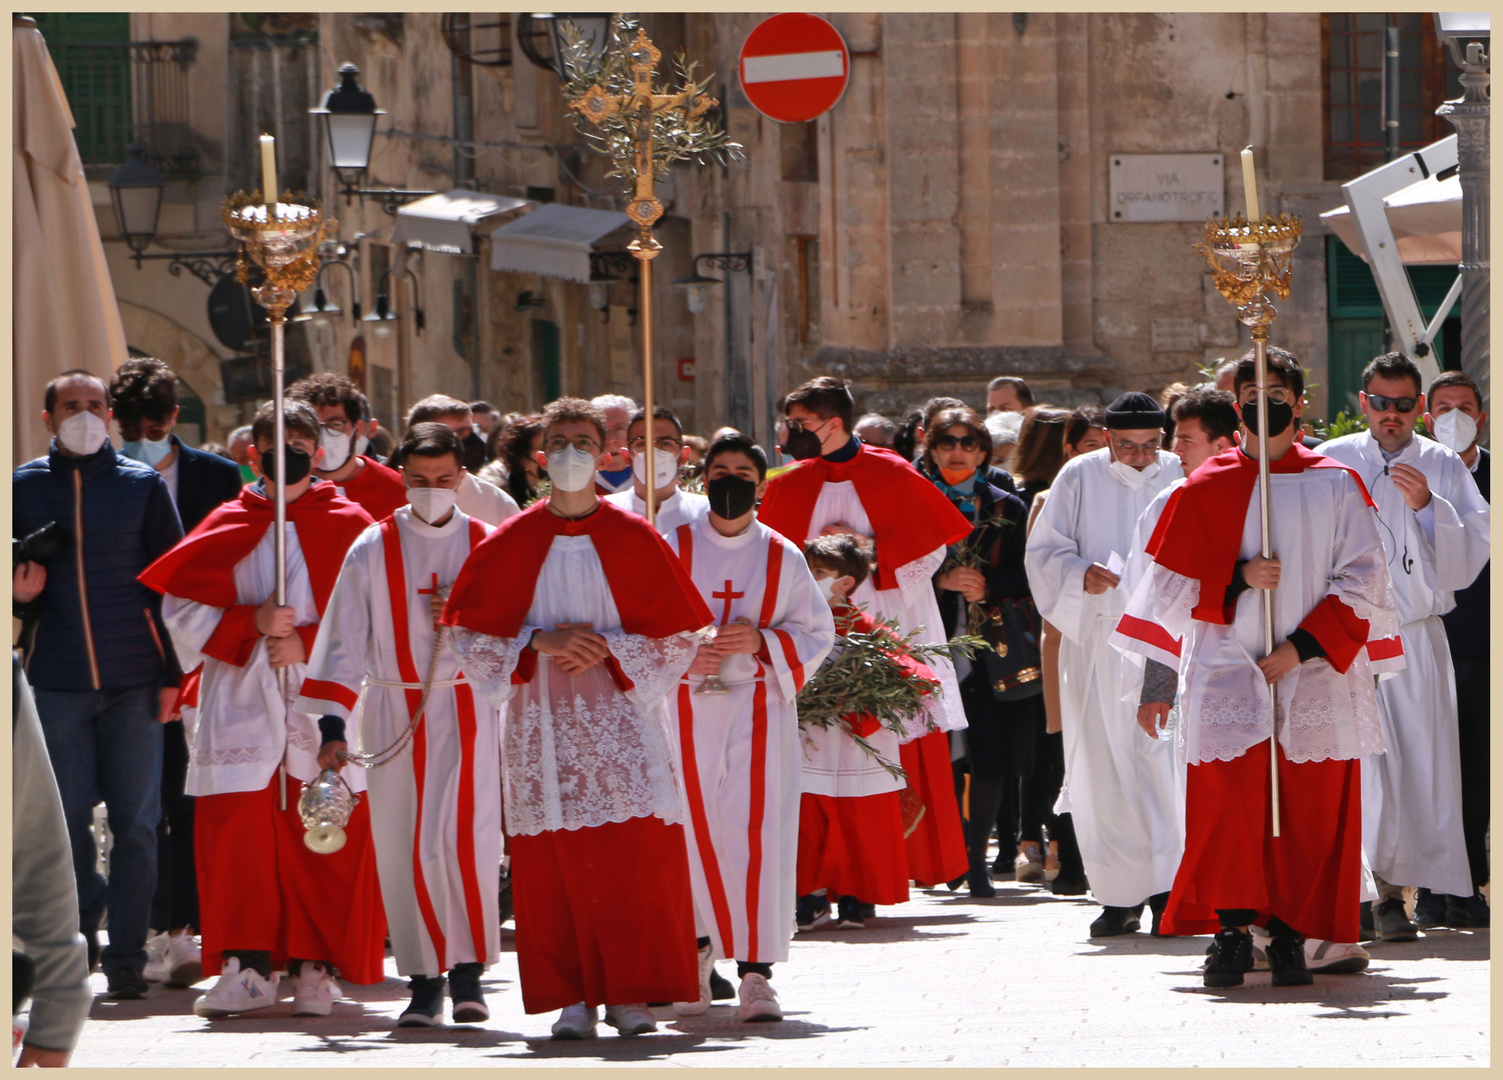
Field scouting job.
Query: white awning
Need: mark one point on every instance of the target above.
(554, 240)
(1426, 221)
(444, 222)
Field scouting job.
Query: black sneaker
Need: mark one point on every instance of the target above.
(1156, 904)
(979, 881)
(1392, 923)
(127, 984)
(1229, 958)
(1465, 912)
(865, 910)
(1117, 920)
(1286, 961)
(813, 911)
(850, 915)
(1430, 909)
(427, 1006)
(465, 996)
(721, 988)
(1071, 885)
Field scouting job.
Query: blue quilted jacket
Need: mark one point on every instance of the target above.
(98, 628)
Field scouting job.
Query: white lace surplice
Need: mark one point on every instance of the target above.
(1323, 714)
(576, 751)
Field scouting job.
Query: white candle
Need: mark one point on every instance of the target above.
(269, 175)
(1250, 185)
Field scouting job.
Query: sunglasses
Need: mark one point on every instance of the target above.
(950, 442)
(1380, 403)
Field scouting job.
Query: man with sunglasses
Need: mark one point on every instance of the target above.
(843, 485)
(1121, 790)
(1435, 530)
(675, 506)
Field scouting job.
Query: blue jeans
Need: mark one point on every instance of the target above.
(106, 745)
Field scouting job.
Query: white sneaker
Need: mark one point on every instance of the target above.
(156, 959)
(237, 992)
(314, 991)
(758, 1000)
(576, 1022)
(630, 1020)
(1321, 957)
(184, 961)
(702, 1006)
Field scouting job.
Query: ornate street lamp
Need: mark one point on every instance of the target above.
(136, 192)
(349, 120)
(535, 29)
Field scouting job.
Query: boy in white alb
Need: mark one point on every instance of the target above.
(436, 806)
(675, 506)
(740, 749)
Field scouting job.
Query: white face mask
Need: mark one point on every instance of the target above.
(336, 446)
(1133, 478)
(362, 444)
(827, 588)
(571, 469)
(148, 451)
(664, 468)
(432, 503)
(82, 433)
(1455, 430)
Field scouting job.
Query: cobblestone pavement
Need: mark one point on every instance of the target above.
(940, 980)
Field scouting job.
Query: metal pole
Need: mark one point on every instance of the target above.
(1469, 116)
(1260, 353)
(1391, 93)
(279, 541)
(647, 394)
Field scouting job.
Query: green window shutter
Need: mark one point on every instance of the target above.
(92, 54)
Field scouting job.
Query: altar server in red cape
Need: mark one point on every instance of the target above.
(268, 902)
(844, 485)
(436, 804)
(851, 822)
(740, 749)
(340, 406)
(1332, 596)
(578, 618)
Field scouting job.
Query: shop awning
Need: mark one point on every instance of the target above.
(444, 222)
(554, 240)
(1426, 221)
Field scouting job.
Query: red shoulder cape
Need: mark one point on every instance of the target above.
(200, 567)
(378, 489)
(910, 516)
(653, 594)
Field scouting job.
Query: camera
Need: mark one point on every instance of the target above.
(39, 546)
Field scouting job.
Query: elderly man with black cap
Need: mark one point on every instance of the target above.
(1121, 789)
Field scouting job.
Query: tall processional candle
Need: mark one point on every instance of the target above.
(269, 175)
(1250, 185)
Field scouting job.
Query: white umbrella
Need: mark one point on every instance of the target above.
(1426, 221)
(64, 311)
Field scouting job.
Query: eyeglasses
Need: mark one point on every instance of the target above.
(950, 442)
(1380, 403)
(1122, 446)
(336, 427)
(1276, 394)
(800, 425)
(580, 442)
(667, 442)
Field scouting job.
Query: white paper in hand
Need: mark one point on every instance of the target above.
(1115, 564)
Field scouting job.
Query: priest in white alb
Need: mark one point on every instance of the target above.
(436, 804)
(1120, 789)
(674, 506)
(741, 749)
(578, 618)
(1436, 530)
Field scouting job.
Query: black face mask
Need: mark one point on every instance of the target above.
(1280, 416)
(474, 452)
(299, 465)
(731, 496)
(801, 445)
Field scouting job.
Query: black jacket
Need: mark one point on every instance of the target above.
(1004, 546)
(1468, 624)
(204, 481)
(98, 628)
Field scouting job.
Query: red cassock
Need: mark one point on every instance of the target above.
(1310, 875)
(603, 910)
(377, 489)
(259, 885)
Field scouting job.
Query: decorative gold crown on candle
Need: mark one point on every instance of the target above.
(1249, 259)
(286, 246)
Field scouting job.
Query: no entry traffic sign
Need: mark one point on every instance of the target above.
(794, 67)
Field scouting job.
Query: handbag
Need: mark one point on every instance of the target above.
(1013, 668)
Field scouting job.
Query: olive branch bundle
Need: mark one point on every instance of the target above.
(968, 554)
(677, 133)
(865, 675)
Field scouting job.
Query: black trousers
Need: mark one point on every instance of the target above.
(175, 903)
(1472, 719)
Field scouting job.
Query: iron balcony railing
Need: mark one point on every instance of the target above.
(125, 92)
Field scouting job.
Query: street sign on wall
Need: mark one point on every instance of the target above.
(1165, 187)
(794, 67)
